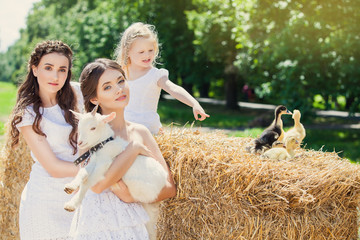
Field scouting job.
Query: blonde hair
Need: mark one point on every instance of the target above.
(135, 31)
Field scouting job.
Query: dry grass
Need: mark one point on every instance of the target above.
(15, 166)
(223, 192)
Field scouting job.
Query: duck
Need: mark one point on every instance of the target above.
(272, 133)
(278, 144)
(298, 131)
(280, 153)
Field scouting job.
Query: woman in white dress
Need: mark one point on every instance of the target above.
(106, 214)
(42, 116)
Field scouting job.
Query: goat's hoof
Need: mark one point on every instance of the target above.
(68, 190)
(69, 207)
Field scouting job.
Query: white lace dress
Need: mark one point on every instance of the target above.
(144, 99)
(105, 217)
(41, 213)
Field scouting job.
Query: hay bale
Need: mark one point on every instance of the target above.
(15, 166)
(223, 192)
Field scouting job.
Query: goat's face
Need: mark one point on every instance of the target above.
(93, 128)
(90, 130)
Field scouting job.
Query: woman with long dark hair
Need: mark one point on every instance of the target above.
(42, 116)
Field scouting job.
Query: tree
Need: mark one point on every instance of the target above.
(220, 32)
(306, 48)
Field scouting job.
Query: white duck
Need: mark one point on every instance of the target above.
(280, 153)
(298, 131)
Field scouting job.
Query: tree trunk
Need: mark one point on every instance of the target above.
(327, 104)
(188, 87)
(204, 90)
(231, 91)
(349, 101)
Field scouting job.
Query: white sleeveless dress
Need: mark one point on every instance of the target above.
(144, 99)
(41, 213)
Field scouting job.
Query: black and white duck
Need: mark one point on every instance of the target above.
(272, 133)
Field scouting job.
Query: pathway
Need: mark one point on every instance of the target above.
(330, 113)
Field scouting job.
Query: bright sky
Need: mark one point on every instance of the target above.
(13, 15)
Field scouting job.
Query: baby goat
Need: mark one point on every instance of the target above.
(144, 179)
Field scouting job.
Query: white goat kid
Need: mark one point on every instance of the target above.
(144, 179)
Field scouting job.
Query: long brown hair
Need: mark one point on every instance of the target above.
(28, 93)
(89, 79)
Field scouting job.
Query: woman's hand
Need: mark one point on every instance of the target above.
(122, 192)
(120, 189)
(121, 164)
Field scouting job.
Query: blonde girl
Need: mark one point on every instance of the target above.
(137, 53)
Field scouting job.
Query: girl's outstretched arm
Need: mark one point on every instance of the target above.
(183, 96)
(41, 149)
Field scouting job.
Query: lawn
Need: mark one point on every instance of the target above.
(243, 123)
(239, 123)
(7, 102)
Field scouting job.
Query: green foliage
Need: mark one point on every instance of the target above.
(345, 142)
(307, 48)
(291, 52)
(220, 36)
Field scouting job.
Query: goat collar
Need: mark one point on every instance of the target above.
(91, 151)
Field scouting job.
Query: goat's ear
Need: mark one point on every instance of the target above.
(76, 114)
(94, 110)
(109, 118)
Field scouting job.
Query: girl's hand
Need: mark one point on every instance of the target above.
(122, 192)
(198, 110)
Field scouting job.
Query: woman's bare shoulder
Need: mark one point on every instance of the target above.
(139, 129)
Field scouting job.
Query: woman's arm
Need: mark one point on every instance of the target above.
(41, 149)
(167, 191)
(120, 165)
(183, 96)
(121, 189)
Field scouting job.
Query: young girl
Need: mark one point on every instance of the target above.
(104, 215)
(136, 53)
(42, 116)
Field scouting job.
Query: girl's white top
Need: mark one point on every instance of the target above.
(42, 214)
(144, 99)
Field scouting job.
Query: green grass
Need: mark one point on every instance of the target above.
(172, 111)
(7, 102)
(345, 142)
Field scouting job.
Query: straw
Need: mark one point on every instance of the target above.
(224, 192)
